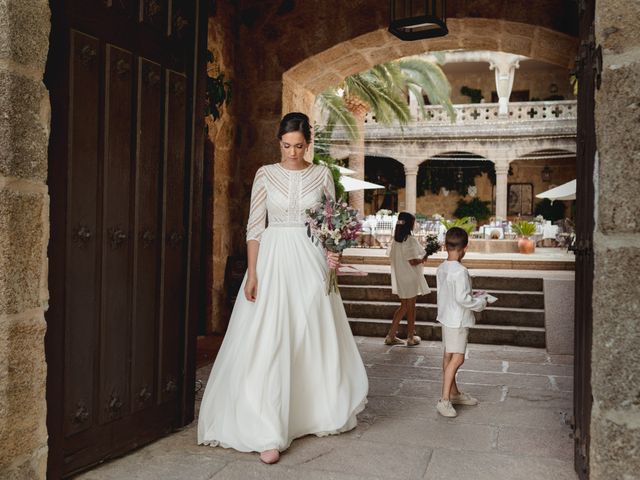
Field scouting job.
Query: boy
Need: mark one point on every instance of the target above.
(455, 305)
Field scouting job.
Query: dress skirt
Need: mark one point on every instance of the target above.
(288, 365)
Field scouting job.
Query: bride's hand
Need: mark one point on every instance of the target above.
(251, 289)
(333, 260)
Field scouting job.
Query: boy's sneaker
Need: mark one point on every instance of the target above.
(463, 399)
(445, 409)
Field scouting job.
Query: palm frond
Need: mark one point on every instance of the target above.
(336, 113)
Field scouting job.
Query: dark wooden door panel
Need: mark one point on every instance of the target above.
(173, 265)
(587, 62)
(82, 233)
(126, 113)
(116, 283)
(148, 235)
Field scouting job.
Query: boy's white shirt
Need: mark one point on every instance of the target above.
(455, 296)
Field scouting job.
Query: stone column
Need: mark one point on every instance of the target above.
(411, 191)
(24, 235)
(504, 66)
(356, 163)
(502, 172)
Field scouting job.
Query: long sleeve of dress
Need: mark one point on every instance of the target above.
(328, 186)
(258, 210)
(464, 294)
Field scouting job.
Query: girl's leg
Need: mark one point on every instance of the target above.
(397, 317)
(411, 317)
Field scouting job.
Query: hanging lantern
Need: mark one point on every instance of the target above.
(418, 19)
(546, 174)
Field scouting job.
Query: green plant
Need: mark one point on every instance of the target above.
(550, 211)
(218, 90)
(321, 156)
(463, 223)
(524, 228)
(454, 175)
(475, 208)
(383, 90)
(474, 94)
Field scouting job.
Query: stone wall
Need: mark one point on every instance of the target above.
(221, 196)
(24, 231)
(615, 420)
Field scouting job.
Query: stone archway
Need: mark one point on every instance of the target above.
(304, 81)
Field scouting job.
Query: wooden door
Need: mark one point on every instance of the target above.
(125, 177)
(587, 66)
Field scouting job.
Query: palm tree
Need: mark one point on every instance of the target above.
(384, 91)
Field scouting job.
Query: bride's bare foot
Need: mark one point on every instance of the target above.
(270, 456)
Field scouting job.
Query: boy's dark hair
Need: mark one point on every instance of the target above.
(456, 239)
(404, 226)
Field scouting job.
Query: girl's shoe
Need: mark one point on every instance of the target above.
(270, 456)
(445, 409)
(393, 341)
(413, 341)
(463, 399)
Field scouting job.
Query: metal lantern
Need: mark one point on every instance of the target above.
(418, 19)
(546, 174)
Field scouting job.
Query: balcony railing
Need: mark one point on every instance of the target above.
(487, 113)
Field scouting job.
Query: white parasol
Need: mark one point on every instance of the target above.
(566, 191)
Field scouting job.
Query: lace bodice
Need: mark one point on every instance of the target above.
(282, 196)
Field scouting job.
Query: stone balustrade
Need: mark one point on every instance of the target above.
(533, 118)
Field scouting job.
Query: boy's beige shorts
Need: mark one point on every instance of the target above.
(455, 339)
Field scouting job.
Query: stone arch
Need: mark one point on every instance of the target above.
(304, 81)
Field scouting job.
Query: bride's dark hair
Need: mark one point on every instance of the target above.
(404, 226)
(295, 122)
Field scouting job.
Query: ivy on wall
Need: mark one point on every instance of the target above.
(218, 89)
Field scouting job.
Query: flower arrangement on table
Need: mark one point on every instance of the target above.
(335, 226)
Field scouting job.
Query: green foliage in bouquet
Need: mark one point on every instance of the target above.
(524, 228)
(463, 223)
(432, 245)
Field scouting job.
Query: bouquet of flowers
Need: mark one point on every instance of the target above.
(432, 245)
(335, 226)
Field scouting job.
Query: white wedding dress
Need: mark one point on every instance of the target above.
(289, 365)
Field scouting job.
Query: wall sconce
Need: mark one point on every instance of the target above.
(546, 174)
(416, 20)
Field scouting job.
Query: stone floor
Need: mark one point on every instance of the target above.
(519, 430)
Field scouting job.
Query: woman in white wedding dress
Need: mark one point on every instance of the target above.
(289, 365)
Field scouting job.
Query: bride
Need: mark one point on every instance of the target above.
(289, 365)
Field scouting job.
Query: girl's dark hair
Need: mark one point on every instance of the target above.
(404, 226)
(295, 122)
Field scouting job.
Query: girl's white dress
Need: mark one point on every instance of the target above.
(289, 365)
(407, 281)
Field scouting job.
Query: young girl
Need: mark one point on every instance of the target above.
(407, 278)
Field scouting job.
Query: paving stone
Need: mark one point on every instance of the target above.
(433, 389)
(490, 466)
(514, 414)
(540, 442)
(508, 379)
(399, 359)
(561, 359)
(438, 432)
(537, 356)
(396, 371)
(368, 459)
(171, 466)
(384, 386)
(540, 369)
(540, 398)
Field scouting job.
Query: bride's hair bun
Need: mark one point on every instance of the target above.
(295, 122)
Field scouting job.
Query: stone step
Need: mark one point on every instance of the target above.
(487, 334)
(382, 293)
(427, 312)
(479, 282)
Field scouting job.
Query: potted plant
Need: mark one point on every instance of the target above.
(524, 230)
